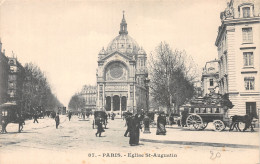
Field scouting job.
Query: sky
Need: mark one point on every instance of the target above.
(64, 37)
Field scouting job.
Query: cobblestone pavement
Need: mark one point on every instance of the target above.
(75, 142)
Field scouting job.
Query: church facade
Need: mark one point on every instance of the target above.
(122, 75)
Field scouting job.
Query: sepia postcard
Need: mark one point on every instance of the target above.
(129, 81)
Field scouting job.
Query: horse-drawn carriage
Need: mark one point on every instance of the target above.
(9, 113)
(197, 113)
(100, 115)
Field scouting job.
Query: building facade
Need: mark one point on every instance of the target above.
(209, 79)
(198, 88)
(238, 44)
(88, 93)
(4, 71)
(122, 75)
(11, 79)
(16, 79)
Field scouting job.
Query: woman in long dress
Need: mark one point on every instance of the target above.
(146, 121)
(135, 127)
(161, 122)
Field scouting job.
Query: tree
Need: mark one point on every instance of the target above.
(76, 102)
(172, 74)
(36, 90)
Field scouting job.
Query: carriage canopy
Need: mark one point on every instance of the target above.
(9, 111)
(212, 102)
(101, 114)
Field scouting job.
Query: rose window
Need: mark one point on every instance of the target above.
(116, 71)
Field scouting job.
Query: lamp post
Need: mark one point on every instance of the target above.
(146, 82)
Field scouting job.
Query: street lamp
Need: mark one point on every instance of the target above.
(146, 82)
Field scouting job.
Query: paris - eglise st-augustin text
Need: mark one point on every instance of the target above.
(156, 155)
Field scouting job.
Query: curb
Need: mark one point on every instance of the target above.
(202, 144)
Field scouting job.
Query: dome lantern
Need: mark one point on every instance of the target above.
(123, 25)
(123, 43)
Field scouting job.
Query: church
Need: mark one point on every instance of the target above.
(122, 76)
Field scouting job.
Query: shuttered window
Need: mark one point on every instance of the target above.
(247, 35)
(249, 83)
(248, 59)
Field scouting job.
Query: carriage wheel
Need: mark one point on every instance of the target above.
(219, 125)
(241, 126)
(194, 122)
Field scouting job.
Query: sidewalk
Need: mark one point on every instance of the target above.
(207, 137)
(29, 125)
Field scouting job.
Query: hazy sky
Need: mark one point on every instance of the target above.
(64, 37)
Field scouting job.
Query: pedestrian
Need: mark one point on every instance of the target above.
(57, 120)
(128, 121)
(184, 115)
(171, 119)
(106, 118)
(35, 117)
(69, 115)
(113, 116)
(135, 127)
(83, 115)
(161, 122)
(109, 115)
(87, 114)
(146, 121)
(21, 122)
(100, 129)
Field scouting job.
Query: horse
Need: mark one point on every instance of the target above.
(247, 119)
(19, 119)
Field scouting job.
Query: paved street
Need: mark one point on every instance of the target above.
(76, 141)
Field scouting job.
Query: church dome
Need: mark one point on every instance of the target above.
(123, 42)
